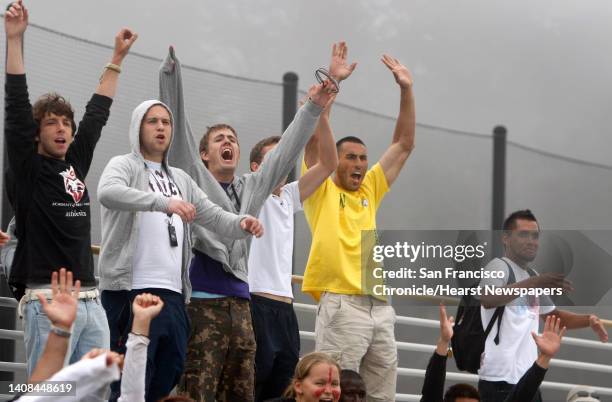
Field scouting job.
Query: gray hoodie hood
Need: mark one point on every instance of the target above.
(137, 115)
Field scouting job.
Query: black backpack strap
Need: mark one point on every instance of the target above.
(499, 312)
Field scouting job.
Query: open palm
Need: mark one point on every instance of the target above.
(62, 308)
(402, 75)
(338, 67)
(549, 341)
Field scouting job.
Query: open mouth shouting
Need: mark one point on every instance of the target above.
(356, 176)
(227, 153)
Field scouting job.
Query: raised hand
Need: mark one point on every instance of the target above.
(598, 327)
(320, 94)
(15, 20)
(146, 306)
(446, 332)
(252, 225)
(338, 66)
(550, 340)
(124, 40)
(62, 308)
(402, 75)
(182, 208)
(446, 325)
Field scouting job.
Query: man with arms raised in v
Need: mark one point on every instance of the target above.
(354, 326)
(49, 160)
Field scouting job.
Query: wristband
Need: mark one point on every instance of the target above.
(60, 332)
(113, 67)
(110, 66)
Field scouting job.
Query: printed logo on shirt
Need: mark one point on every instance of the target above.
(159, 183)
(72, 184)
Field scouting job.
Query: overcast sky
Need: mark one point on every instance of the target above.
(542, 68)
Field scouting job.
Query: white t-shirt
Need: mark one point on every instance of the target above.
(271, 256)
(156, 263)
(517, 350)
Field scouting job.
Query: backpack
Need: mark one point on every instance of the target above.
(468, 341)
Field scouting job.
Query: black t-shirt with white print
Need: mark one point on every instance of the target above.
(51, 202)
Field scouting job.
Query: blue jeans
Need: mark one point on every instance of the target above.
(90, 330)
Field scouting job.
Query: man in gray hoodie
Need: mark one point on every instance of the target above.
(221, 354)
(146, 208)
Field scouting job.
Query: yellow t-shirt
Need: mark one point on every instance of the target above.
(337, 218)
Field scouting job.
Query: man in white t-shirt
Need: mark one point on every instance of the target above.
(270, 265)
(147, 207)
(503, 364)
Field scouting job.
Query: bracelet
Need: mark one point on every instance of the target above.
(110, 66)
(113, 67)
(60, 332)
(137, 334)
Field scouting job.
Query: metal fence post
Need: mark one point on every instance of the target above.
(499, 187)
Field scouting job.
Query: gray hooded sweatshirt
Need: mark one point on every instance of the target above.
(124, 193)
(252, 188)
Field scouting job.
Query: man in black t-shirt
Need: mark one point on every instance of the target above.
(48, 162)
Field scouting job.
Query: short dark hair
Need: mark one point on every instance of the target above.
(209, 131)
(461, 391)
(256, 152)
(53, 102)
(510, 222)
(349, 138)
(347, 374)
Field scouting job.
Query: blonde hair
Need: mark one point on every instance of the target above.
(302, 369)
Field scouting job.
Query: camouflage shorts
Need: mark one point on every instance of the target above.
(220, 362)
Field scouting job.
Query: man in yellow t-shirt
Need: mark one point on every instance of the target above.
(353, 326)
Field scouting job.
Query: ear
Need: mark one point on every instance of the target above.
(254, 166)
(204, 156)
(297, 386)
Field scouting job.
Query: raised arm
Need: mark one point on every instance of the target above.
(145, 308)
(61, 311)
(339, 69)
(124, 40)
(81, 151)
(184, 151)
(20, 129)
(15, 24)
(279, 161)
(328, 156)
(402, 144)
(435, 375)
(548, 346)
